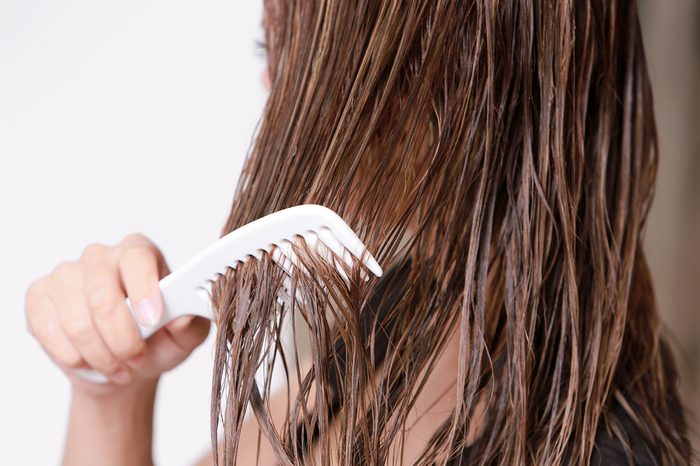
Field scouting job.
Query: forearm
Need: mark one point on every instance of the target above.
(111, 431)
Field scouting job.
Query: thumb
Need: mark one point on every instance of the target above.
(188, 332)
(173, 343)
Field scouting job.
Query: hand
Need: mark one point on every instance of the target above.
(79, 316)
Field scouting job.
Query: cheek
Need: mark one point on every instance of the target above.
(265, 79)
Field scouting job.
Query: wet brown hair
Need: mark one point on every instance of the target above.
(502, 155)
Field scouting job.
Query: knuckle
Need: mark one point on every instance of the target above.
(136, 255)
(34, 289)
(128, 347)
(94, 252)
(79, 329)
(99, 274)
(135, 238)
(32, 295)
(71, 361)
(102, 300)
(44, 331)
(64, 271)
(109, 366)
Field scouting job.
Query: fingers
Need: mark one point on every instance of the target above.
(75, 317)
(188, 332)
(106, 301)
(173, 343)
(43, 323)
(140, 268)
(80, 315)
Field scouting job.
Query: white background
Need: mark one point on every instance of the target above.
(115, 117)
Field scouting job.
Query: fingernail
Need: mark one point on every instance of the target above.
(147, 312)
(121, 376)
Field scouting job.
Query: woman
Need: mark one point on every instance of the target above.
(499, 158)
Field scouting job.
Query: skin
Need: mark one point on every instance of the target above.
(78, 315)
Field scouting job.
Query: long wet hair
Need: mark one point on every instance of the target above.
(502, 156)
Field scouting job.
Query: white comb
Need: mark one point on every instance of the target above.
(186, 290)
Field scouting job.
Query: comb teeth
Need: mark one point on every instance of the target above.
(321, 239)
(322, 230)
(284, 255)
(322, 242)
(187, 290)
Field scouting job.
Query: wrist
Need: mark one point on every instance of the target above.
(110, 393)
(113, 424)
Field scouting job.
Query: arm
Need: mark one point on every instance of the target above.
(79, 316)
(114, 430)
